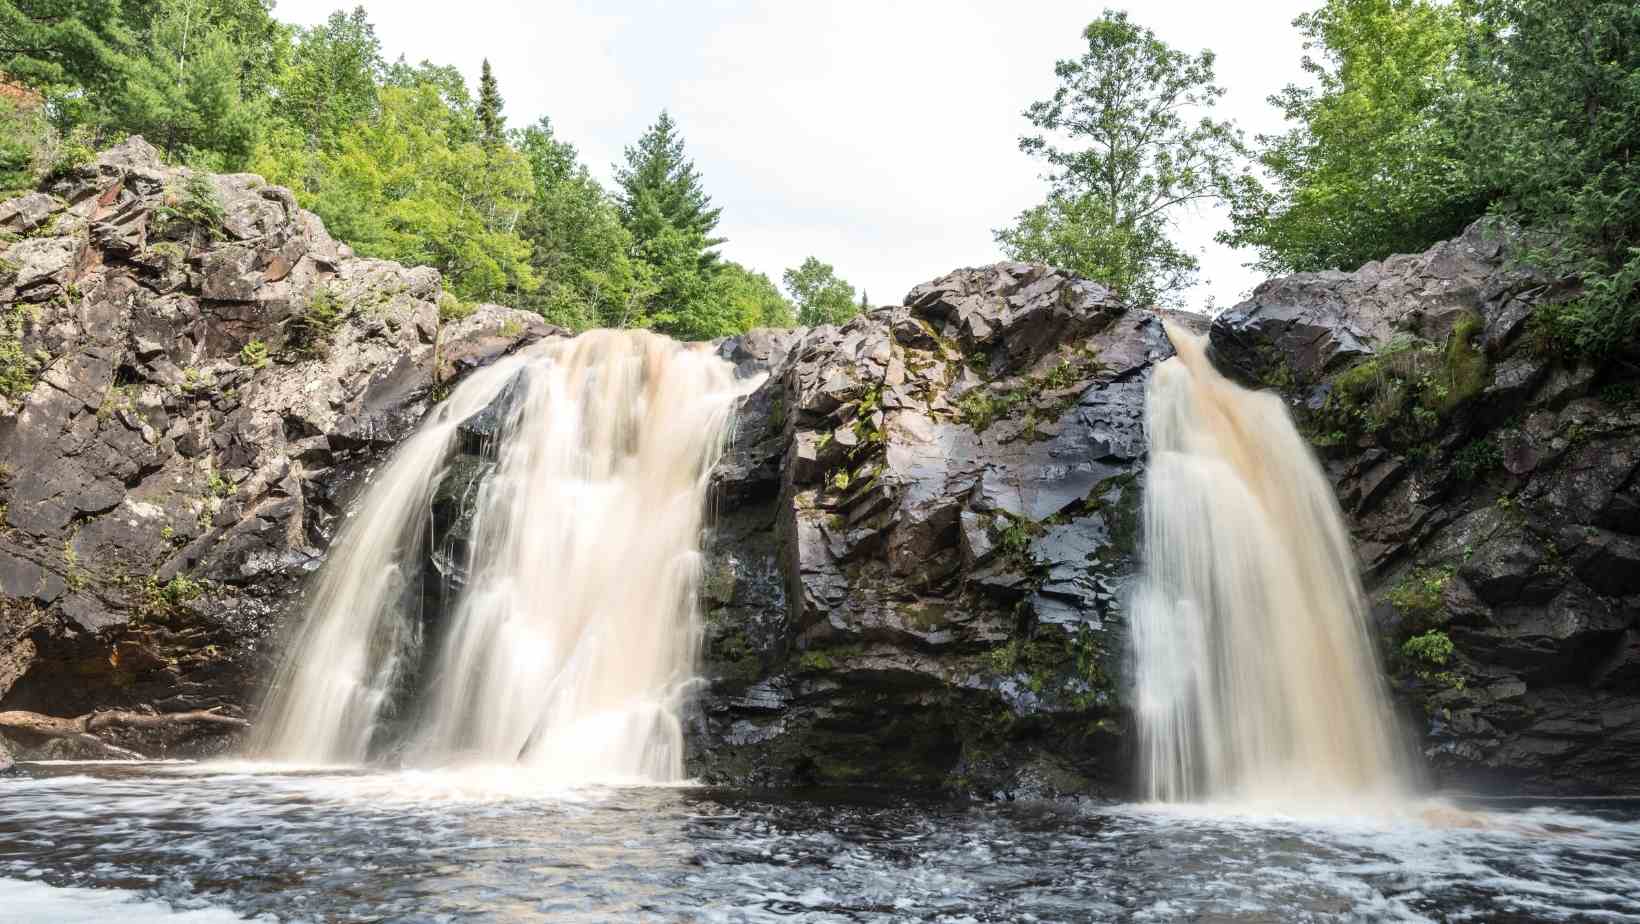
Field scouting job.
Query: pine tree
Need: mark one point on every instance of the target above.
(660, 189)
(492, 125)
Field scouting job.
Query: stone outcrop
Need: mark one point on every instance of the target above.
(194, 376)
(1494, 492)
(925, 521)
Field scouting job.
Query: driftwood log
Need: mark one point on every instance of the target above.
(82, 729)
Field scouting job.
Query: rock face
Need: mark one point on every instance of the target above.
(925, 521)
(193, 375)
(1494, 491)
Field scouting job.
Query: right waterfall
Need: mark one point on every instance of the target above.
(1255, 672)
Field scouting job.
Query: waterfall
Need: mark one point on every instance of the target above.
(570, 641)
(1255, 673)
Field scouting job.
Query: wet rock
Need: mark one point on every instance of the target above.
(936, 564)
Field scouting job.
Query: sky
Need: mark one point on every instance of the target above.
(878, 135)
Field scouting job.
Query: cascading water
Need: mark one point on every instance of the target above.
(571, 643)
(1256, 677)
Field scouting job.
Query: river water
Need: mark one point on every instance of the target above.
(166, 842)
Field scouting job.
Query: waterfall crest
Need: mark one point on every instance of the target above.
(1256, 677)
(571, 639)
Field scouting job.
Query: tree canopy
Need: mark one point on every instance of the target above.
(1128, 141)
(821, 297)
(1375, 162)
(403, 161)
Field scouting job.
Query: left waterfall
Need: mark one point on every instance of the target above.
(567, 628)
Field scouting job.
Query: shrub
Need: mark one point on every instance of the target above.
(313, 329)
(451, 308)
(254, 354)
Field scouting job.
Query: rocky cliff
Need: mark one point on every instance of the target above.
(193, 375)
(1494, 492)
(925, 520)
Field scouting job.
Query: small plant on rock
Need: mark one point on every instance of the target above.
(254, 354)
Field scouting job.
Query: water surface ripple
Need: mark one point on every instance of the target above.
(164, 842)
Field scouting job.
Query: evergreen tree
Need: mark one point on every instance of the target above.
(492, 125)
(185, 91)
(72, 51)
(579, 249)
(660, 188)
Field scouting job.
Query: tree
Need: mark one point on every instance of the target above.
(405, 186)
(821, 297)
(751, 299)
(660, 188)
(333, 78)
(579, 249)
(1553, 121)
(185, 91)
(67, 49)
(670, 218)
(1123, 159)
(1375, 162)
(492, 125)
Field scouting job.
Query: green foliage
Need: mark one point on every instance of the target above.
(1418, 595)
(18, 371)
(185, 86)
(1429, 651)
(1403, 393)
(492, 125)
(25, 147)
(193, 207)
(750, 299)
(821, 297)
(579, 250)
(331, 85)
(670, 218)
(451, 308)
(254, 354)
(406, 186)
(1476, 459)
(162, 600)
(1557, 125)
(661, 189)
(313, 329)
(1123, 159)
(1376, 161)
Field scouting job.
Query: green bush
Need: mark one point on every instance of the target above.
(254, 354)
(313, 329)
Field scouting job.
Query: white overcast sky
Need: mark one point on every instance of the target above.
(880, 136)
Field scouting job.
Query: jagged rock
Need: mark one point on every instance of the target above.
(1309, 325)
(165, 488)
(27, 212)
(929, 581)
